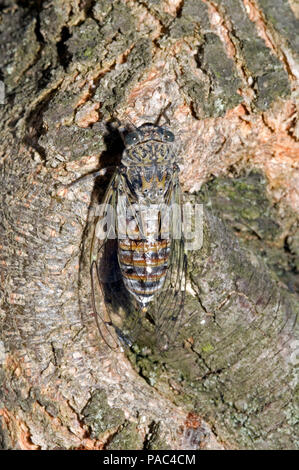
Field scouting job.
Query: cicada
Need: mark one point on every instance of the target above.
(137, 257)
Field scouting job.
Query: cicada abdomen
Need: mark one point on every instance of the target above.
(141, 218)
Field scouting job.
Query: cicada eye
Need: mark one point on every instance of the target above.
(169, 136)
(131, 138)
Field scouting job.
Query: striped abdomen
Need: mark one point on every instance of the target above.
(143, 265)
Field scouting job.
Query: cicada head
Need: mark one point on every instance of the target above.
(149, 144)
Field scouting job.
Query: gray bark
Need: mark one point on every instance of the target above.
(228, 70)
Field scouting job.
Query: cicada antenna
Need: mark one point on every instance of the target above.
(163, 114)
(131, 122)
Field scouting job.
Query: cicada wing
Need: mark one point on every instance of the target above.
(108, 292)
(167, 308)
(169, 305)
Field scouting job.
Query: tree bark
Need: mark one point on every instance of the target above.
(227, 72)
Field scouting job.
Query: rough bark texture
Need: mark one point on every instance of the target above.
(228, 69)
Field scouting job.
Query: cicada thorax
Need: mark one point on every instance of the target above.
(144, 250)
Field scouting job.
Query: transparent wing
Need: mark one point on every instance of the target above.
(108, 292)
(167, 309)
